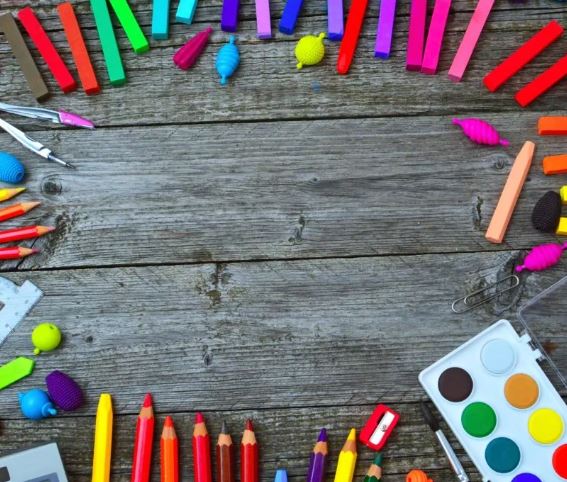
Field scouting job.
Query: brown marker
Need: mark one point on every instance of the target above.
(225, 457)
(23, 56)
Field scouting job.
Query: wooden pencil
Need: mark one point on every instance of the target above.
(169, 452)
(225, 456)
(249, 467)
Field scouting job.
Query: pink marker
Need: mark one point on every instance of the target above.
(470, 39)
(416, 35)
(435, 36)
(263, 19)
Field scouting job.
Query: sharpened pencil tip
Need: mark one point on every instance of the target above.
(322, 435)
(168, 422)
(249, 425)
(352, 434)
(223, 429)
(148, 400)
(199, 417)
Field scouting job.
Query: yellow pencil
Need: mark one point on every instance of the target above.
(347, 459)
(8, 193)
(103, 440)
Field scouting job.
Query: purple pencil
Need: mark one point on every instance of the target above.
(385, 29)
(318, 459)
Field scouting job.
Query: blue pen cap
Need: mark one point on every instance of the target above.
(11, 170)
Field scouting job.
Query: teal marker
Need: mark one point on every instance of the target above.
(130, 25)
(160, 20)
(186, 11)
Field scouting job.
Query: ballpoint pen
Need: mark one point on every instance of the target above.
(57, 117)
(32, 144)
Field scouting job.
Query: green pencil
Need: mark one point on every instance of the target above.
(374, 473)
(130, 25)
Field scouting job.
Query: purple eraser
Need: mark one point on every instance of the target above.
(64, 391)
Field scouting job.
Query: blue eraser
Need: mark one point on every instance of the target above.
(11, 170)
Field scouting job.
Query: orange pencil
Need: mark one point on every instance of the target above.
(201, 450)
(16, 252)
(15, 210)
(144, 442)
(169, 452)
(27, 232)
(249, 468)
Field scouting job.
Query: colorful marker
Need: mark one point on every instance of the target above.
(201, 450)
(16, 252)
(160, 19)
(130, 25)
(225, 456)
(335, 19)
(9, 193)
(318, 460)
(15, 210)
(249, 467)
(103, 440)
(143, 444)
(416, 34)
(289, 16)
(385, 29)
(169, 452)
(186, 11)
(435, 36)
(347, 459)
(352, 33)
(19, 234)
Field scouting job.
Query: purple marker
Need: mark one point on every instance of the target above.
(263, 19)
(335, 19)
(229, 16)
(385, 30)
(318, 460)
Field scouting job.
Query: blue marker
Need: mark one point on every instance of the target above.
(186, 11)
(289, 16)
(160, 20)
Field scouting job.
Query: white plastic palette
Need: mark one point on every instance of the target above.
(502, 407)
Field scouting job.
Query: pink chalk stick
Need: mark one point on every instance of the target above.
(470, 39)
(435, 36)
(263, 19)
(416, 35)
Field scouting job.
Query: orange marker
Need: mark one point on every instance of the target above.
(143, 443)
(19, 234)
(169, 453)
(15, 210)
(552, 126)
(510, 194)
(555, 164)
(16, 252)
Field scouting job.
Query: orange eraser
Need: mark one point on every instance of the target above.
(510, 194)
(555, 164)
(552, 126)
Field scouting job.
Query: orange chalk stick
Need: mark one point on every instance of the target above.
(510, 194)
(78, 48)
(552, 126)
(555, 164)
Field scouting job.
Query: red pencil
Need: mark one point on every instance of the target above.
(201, 450)
(28, 232)
(15, 210)
(249, 468)
(144, 442)
(16, 252)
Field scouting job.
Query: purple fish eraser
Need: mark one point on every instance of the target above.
(64, 391)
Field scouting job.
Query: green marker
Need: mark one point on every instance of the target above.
(15, 370)
(130, 25)
(374, 473)
(108, 42)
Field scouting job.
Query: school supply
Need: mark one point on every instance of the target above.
(23, 56)
(225, 456)
(188, 54)
(160, 19)
(552, 126)
(547, 211)
(416, 34)
(309, 50)
(54, 116)
(228, 59)
(229, 15)
(347, 459)
(281, 475)
(489, 292)
(289, 16)
(17, 302)
(33, 145)
(201, 451)
(169, 457)
(15, 210)
(37, 464)
(481, 132)
(385, 29)
(36, 405)
(510, 194)
(374, 472)
(47, 50)
(45, 337)
(470, 39)
(434, 41)
(64, 391)
(263, 19)
(417, 476)
(186, 11)
(542, 83)
(335, 19)
(110, 50)
(9, 193)
(16, 252)
(318, 459)
(454, 461)
(249, 457)
(143, 443)
(555, 164)
(523, 56)
(19, 234)
(542, 257)
(352, 34)
(15, 370)
(379, 427)
(130, 26)
(102, 451)
(12, 170)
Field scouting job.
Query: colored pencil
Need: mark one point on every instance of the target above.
(347, 459)
(19, 234)
(335, 19)
(16, 252)
(15, 210)
(225, 456)
(318, 460)
(542, 83)
(385, 29)
(143, 443)
(160, 19)
(229, 15)
(281, 475)
(201, 450)
(103, 440)
(9, 193)
(289, 16)
(416, 34)
(352, 34)
(374, 473)
(130, 26)
(169, 452)
(434, 41)
(249, 466)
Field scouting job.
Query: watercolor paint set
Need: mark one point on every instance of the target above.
(500, 394)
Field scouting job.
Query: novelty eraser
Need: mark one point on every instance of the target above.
(45, 337)
(228, 59)
(379, 427)
(36, 405)
(480, 132)
(555, 164)
(11, 169)
(542, 257)
(64, 391)
(188, 54)
(310, 50)
(546, 212)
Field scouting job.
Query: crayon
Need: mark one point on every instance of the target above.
(15, 210)
(416, 34)
(347, 459)
(169, 452)
(229, 15)
(351, 36)
(15, 370)
(555, 164)
(335, 19)
(160, 19)
(186, 11)
(108, 42)
(552, 126)
(130, 25)
(225, 456)
(78, 48)
(542, 83)
(249, 466)
(9, 193)
(318, 459)
(434, 41)
(385, 29)
(47, 50)
(103, 440)
(263, 19)
(141, 466)
(16, 252)
(374, 473)
(23, 56)
(289, 16)
(201, 450)
(19, 234)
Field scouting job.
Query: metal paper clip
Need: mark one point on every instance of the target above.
(471, 304)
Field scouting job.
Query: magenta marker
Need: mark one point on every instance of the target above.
(335, 19)
(385, 29)
(229, 15)
(416, 34)
(263, 19)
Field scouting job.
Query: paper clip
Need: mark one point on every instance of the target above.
(469, 305)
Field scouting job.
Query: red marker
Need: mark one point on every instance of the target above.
(47, 50)
(542, 83)
(201, 451)
(143, 443)
(352, 33)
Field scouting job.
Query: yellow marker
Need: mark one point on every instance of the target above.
(103, 440)
(6, 193)
(347, 459)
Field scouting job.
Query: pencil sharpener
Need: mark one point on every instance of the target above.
(37, 464)
(379, 427)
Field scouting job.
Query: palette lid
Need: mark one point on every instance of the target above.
(544, 318)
